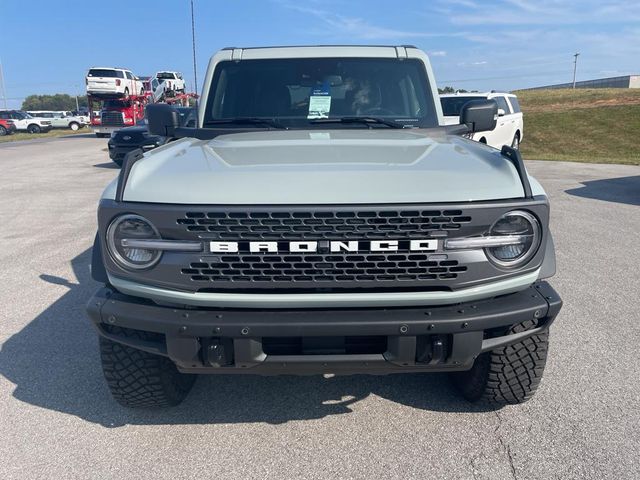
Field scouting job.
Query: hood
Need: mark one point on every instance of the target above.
(348, 166)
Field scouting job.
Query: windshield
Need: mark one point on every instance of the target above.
(116, 104)
(451, 106)
(297, 91)
(100, 72)
(165, 75)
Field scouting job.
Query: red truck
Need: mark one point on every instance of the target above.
(116, 114)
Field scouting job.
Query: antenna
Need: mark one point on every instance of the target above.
(193, 46)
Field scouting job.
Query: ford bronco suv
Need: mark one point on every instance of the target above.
(320, 218)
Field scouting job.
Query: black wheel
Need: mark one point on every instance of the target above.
(516, 142)
(33, 128)
(3, 131)
(141, 379)
(507, 375)
(74, 126)
(483, 140)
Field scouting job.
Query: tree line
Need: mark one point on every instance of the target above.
(59, 101)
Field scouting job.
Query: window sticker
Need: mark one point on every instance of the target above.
(320, 102)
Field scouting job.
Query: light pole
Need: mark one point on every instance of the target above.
(575, 66)
(3, 91)
(193, 46)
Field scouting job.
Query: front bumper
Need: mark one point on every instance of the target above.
(118, 152)
(440, 338)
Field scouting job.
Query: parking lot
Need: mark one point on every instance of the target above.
(57, 419)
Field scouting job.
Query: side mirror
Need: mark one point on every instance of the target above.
(501, 112)
(479, 115)
(163, 119)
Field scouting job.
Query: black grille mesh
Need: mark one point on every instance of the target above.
(239, 268)
(318, 225)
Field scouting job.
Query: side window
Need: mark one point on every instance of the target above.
(129, 76)
(502, 103)
(4, 115)
(515, 104)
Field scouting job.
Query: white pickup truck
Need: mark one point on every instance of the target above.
(172, 80)
(509, 128)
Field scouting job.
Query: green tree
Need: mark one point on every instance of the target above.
(59, 101)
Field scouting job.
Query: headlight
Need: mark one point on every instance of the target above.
(132, 227)
(524, 228)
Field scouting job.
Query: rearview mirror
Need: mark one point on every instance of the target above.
(479, 115)
(163, 119)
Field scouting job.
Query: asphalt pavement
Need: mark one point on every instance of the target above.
(57, 419)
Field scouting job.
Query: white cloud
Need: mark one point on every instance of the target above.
(333, 24)
(438, 53)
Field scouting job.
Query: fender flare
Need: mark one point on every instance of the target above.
(98, 272)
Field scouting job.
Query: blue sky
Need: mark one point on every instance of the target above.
(473, 44)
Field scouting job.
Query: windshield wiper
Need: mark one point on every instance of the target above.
(366, 120)
(247, 121)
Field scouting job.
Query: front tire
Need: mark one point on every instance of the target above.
(507, 375)
(141, 379)
(75, 126)
(33, 128)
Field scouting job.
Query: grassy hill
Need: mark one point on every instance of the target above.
(591, 125)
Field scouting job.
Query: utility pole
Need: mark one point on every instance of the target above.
(3, 91)
(193, 46)
(575, 66)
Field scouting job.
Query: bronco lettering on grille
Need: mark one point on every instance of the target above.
(425, 245)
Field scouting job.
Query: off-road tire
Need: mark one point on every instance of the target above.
(507, 375)
(33, 128)
(141, 379)
(75, 126)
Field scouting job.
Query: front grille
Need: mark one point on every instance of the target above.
(327, 269)
(114, 119)
(321, 225)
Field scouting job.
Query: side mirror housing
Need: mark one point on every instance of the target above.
(501, 112)
(479, 115)
(163, 119)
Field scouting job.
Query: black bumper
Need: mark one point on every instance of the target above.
(444, 338)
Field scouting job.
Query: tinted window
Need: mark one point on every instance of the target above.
(165, 76)
(502, 103)
(129, 76)
(451, 106)
(116, 104)
(296, 90)
(100, 72)
(515, 104)
(5, 115)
